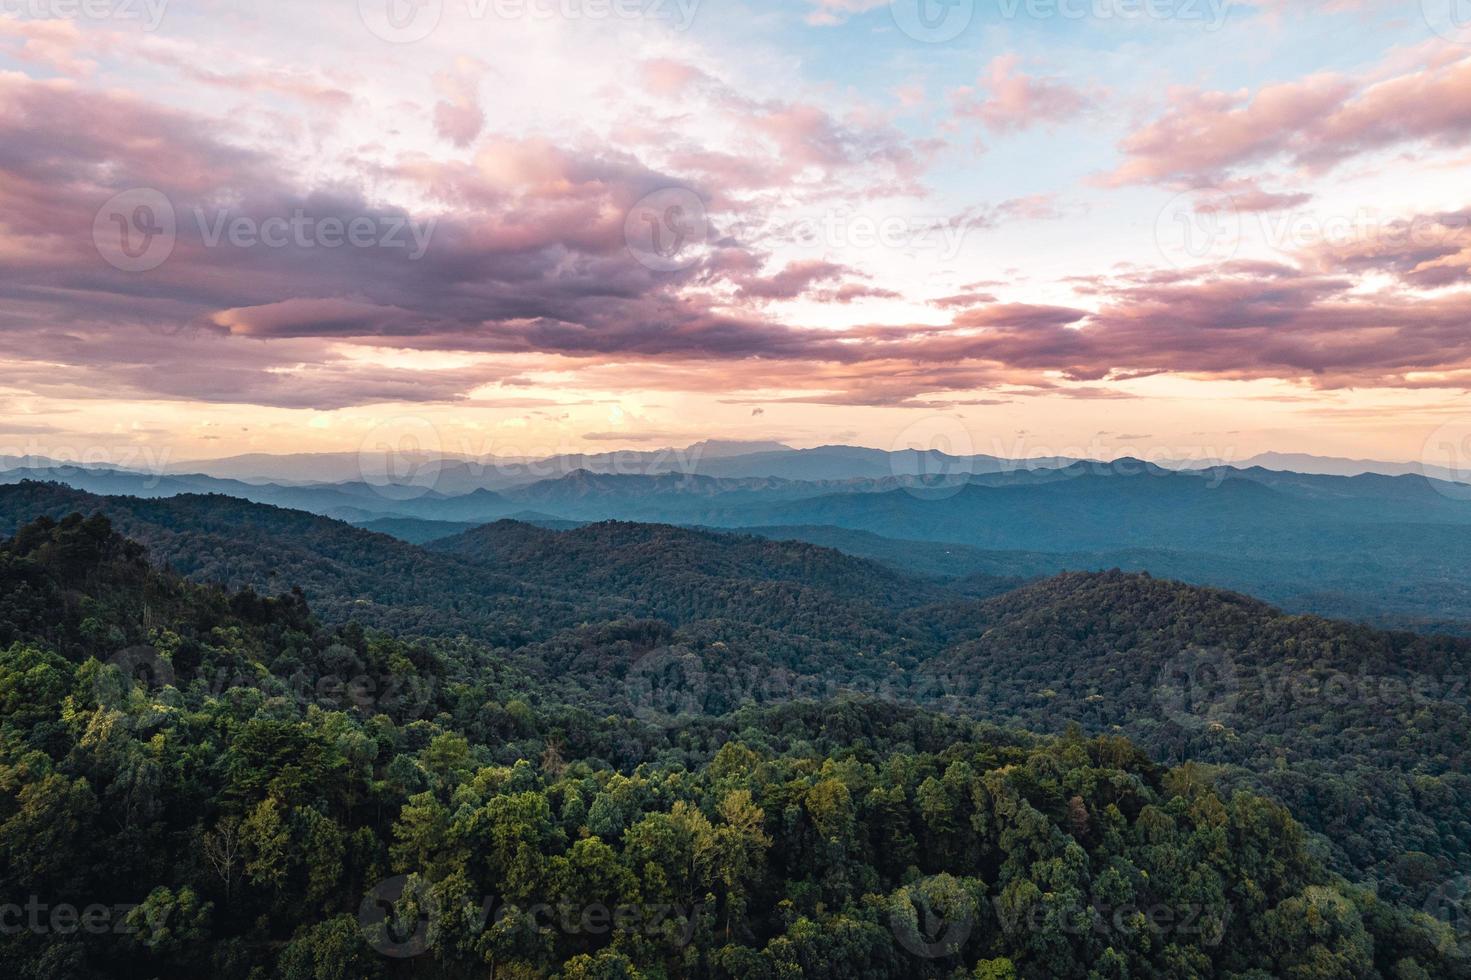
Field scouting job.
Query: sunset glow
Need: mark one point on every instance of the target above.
(1193, 228)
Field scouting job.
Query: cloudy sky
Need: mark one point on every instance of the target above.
(1185, 227)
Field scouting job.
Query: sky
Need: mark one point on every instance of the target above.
(1166, 228)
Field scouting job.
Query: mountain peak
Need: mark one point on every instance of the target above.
(723, 448)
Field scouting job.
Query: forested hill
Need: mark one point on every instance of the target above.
(507, 583)
(1386, 550)
(345, 571)
(619, 558)
(266, 799)
(1362, 731)
(1115, 632)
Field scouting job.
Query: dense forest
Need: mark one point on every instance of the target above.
(1359, 731)
(276, 824)
(693, 754)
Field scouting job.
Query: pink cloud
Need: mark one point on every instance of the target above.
(791, 143)
(56, 43)
(318, 317)
(1314, 123)
(1009, 100)
(1249, 197)
(826, 282)
(796, 279)
(1034, 207)
(963, 300)
(851, 292)
(528, 266)
(458, 116)
(303, 84)
(1424, 251)
(667, 77)
(910, 96)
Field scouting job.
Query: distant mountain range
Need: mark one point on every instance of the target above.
(1337, 466)
(458, 473)
(451, 472)
(1390, 549)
